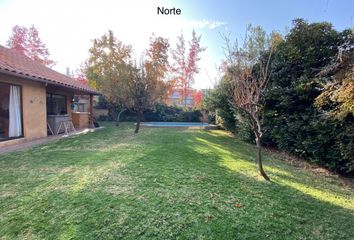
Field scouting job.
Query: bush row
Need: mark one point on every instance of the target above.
(305, 113)
(160, 113)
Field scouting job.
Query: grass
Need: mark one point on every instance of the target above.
(165, 184)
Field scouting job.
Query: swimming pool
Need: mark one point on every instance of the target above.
(175, 124)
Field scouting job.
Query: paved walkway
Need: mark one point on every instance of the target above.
(32, 143)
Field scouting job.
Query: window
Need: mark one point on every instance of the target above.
(56, 104)
(10, 111)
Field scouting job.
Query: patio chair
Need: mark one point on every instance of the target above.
(67, 126)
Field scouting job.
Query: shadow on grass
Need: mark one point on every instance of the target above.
(163, 184)
(291, 207)
(321, 187)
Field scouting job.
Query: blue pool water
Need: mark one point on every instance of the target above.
(174, 124)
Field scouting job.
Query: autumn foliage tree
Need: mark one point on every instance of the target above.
(80, 75)
(249, 68)
(186, 64)
(107, 70)
(146, 83)
(27, 41)
(111, 69)
(157, 63)
(198, 99)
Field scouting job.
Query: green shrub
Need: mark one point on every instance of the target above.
(163, 113)
(294, 121)
(225, 119)
(103, 118)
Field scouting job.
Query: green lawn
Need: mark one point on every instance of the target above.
(165, 184)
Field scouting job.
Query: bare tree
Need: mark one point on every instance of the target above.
(249, 68)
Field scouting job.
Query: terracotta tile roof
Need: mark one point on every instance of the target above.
(13, 63)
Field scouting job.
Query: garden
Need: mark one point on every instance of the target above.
(166, 184)
(264, 152)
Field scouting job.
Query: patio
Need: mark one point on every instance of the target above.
(27, 144)
(36, 101)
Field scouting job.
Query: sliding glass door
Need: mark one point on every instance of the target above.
(10, 111)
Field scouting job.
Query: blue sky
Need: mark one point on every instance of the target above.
(271, 15)
(67, 27)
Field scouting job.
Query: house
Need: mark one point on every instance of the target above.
(193, 98)
(176, 98)
(34, 97)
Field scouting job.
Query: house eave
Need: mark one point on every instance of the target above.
(47, 81)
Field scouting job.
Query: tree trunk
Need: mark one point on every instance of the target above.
(118, 117)
(185, 95)
(259, 159)
(138, 120)
(91, 124)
